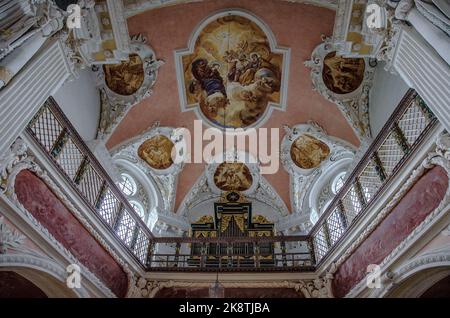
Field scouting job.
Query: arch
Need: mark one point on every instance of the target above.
(46, 274)
(147, 182)
(415, 277)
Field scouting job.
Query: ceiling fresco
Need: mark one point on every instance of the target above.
(283, 24)
(157, 152)
(232, 74)
(125, 78)
(308, 152)
(342, 75)
(233, 176)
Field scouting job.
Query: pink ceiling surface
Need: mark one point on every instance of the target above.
(296, 26)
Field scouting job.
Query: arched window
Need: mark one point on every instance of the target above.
(338, 182)
(138, 208)
(127, 185)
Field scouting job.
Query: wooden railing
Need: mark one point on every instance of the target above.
(396, 143)
(62, 144)
(278, 253)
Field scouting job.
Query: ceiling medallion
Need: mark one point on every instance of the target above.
(157, 152)
(232, 74)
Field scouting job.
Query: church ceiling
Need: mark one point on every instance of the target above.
(297, 27)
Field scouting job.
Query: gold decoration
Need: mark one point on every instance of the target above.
(342, 75)
(205, 219)
(308, 152)
(260, 219)
(125, 78)
(157, 152)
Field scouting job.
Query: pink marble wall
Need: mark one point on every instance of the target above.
(297, 26)
(45, 206)
(413, 208)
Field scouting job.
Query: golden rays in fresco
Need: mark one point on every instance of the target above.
(157, 152)
(233, 176)
(342, 75)
(125, 78)
(232, 73)
(308, 152)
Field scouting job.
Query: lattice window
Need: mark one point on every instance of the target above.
(338, 183)
(46, 129)
(126, 228)
(320, 244)
(90, 184)
(109, 207)
(370, 181)
(413, 122)
(352, 205)
(390, 153)
(127, 185)
(335, 226)
(141, 246)
(138, 208)
(70, 158)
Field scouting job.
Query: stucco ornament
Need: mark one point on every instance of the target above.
(137, 76)
(345, 82)
(165, 179)
(9, 237)
(311, 186)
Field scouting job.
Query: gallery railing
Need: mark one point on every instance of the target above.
(279, 253)
(396, 142)
(59, 140)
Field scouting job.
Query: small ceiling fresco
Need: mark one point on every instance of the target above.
(308, 152)
(233, 176)
(125, 78)
(343, 75)
(232, 74)
(157, 152)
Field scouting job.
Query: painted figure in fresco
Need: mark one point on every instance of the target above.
(308, 152)
(157, 152)
(343, 75)
(256, 95)
(125, 78)
(209, 80)
(233, 176)
(232, 74)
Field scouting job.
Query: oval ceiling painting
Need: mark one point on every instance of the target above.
(232, 74)
(157, 152)
(342, 75)
(125, 78)
(233, 176)
(308, 152)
